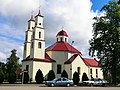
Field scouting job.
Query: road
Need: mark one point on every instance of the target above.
(37, 87)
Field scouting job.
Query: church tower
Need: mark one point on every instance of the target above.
(38, 42)
(62, 36)
(28, 34)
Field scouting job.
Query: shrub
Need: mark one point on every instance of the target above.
(76, 78)
(1, 76)
(84, 77)
(64, 74)
(12, 77)
(39, 77)
(51, 75)
(25, 78)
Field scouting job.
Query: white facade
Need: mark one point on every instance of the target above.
(62, 52)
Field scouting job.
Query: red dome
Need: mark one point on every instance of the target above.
(63, 33)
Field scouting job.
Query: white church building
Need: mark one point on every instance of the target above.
(58, 57)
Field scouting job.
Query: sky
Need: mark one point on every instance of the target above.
(75, 16)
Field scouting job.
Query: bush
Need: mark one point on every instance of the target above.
(84, 77)
(1, 76)
(39, 77)
(12, 77)
(51, 75)
(64, 74)
(76, 78)
(26, 77)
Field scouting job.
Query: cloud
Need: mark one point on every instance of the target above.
(74, 15)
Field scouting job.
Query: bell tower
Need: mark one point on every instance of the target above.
(28, 34)
(38, 42)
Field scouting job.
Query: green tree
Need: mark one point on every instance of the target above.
(51, 75)
(12, 77)
(76, 78)
(105, 43)
(84, 77)
(64, 74)
(39, 77)
(12, 65)
(1, 76)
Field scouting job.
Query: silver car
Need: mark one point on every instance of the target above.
(60, 82)
(96, 81)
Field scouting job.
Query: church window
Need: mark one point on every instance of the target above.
(32, 27)
(91, 71)
(96, 73)
(27, 67)
(57, 39)
(39, 44)
(78, 70)
(26, 38)
(39, 23)
(65, 39)
(25, 47)
(61, 39)
(28, 27)
(59, 69)
(33, 34)
(32, 45)
(39, 34)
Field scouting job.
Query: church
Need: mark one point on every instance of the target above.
(58, 57)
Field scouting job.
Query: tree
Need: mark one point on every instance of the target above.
(105, 43)
(12, 77)
(12, 65)
(64, 74)
(76, 78)
(39, 77)
(1, 76)
(84, 77)
(25, 78)
(51, 75)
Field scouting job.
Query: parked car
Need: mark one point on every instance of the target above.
(60, 81)
(95, 81)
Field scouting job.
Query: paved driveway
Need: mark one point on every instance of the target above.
(38, 87)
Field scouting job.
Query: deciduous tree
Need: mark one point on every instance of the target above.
(105, 43)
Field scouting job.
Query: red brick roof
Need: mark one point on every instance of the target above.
(87, 61)
(62, 33)
(63, 46)
(71, 59)
(91, 62)
(47, 59)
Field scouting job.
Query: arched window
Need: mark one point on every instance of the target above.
(78, 70)
(65, 39)
(61, 39)
(39, 44)
(39, 34)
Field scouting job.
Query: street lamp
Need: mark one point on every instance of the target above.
(71, 64)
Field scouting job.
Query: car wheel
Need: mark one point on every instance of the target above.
(91, 84)
(52, 85)
(67, 84)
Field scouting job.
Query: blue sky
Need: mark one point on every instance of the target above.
(97, 4)
(75, 17)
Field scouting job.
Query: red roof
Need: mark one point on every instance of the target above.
(87, 61)
(62, 46)
(62, 33)
(91, 62)
(47, 59)
(71, 59)
(31, 19)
